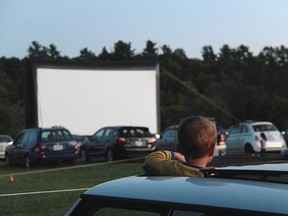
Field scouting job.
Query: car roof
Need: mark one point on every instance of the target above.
(128, 126)
(275, 167)
(243, 195)
(256, 122)
(46, 128)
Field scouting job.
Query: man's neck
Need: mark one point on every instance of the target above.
(199, 162)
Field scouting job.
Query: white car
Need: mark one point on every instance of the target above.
(254, 137)
(5, 140)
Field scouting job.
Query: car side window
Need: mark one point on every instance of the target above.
(21, 139)
(235, 129)
(109, 132)
(124, 212)
(244, 129)
(99, 134)
(32, 138)
(167, 133)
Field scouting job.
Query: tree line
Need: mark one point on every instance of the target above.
(230, 86)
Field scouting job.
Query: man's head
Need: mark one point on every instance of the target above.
(197, 137)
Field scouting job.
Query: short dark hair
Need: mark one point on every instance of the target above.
(196, 136)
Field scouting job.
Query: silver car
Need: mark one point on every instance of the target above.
(252, 190)
(5, 140)
(254, 137)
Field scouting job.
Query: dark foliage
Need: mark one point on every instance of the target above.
(230, 86)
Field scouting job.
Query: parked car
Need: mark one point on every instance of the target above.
(79, 140)
(285, 136)
(254, 137)
(5, 140)
(118, 141)
(284, 152)
(38, 145)
(251, 190)
(168, 139)
(221, 140)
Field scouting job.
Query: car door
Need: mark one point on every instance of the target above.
(19, 151)
(96, 145)
(233, 139)
(244, 136)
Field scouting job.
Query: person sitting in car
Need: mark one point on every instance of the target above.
(197, 137)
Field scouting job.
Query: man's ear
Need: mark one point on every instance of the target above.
(211, 153)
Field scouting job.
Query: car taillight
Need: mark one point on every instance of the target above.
(153, 141)
(37, 148)
(256, 138)
(74, 143)
(121, 140)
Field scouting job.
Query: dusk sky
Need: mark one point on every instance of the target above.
(72, 25)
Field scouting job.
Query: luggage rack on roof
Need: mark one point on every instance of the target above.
(256, 175)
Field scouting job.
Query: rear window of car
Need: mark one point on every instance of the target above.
(55, 135)
(264, 127)
(135, 132)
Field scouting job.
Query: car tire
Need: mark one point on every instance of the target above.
(83, 156)
(249, 149)
(109, 155)
(28, 163)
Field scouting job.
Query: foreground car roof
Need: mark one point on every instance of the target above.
(229, 196)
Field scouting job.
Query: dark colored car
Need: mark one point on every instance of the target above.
(36, 145)
(252, 190)
(168, 139)
(118, 142)
(79, 140)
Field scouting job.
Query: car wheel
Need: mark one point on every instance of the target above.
(248, 149)
(109, 155)
(83, 156)
(27, 162)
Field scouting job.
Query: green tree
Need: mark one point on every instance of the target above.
(150, 52)
(104, 55)
(87, 55)
(123, 51)
(37, 51)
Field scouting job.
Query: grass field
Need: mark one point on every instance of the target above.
(55, 178)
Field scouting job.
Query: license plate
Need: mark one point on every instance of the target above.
(57, 147)
(139, 143)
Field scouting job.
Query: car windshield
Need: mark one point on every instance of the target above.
(264, 127)
(55, 135)
(135, 132)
